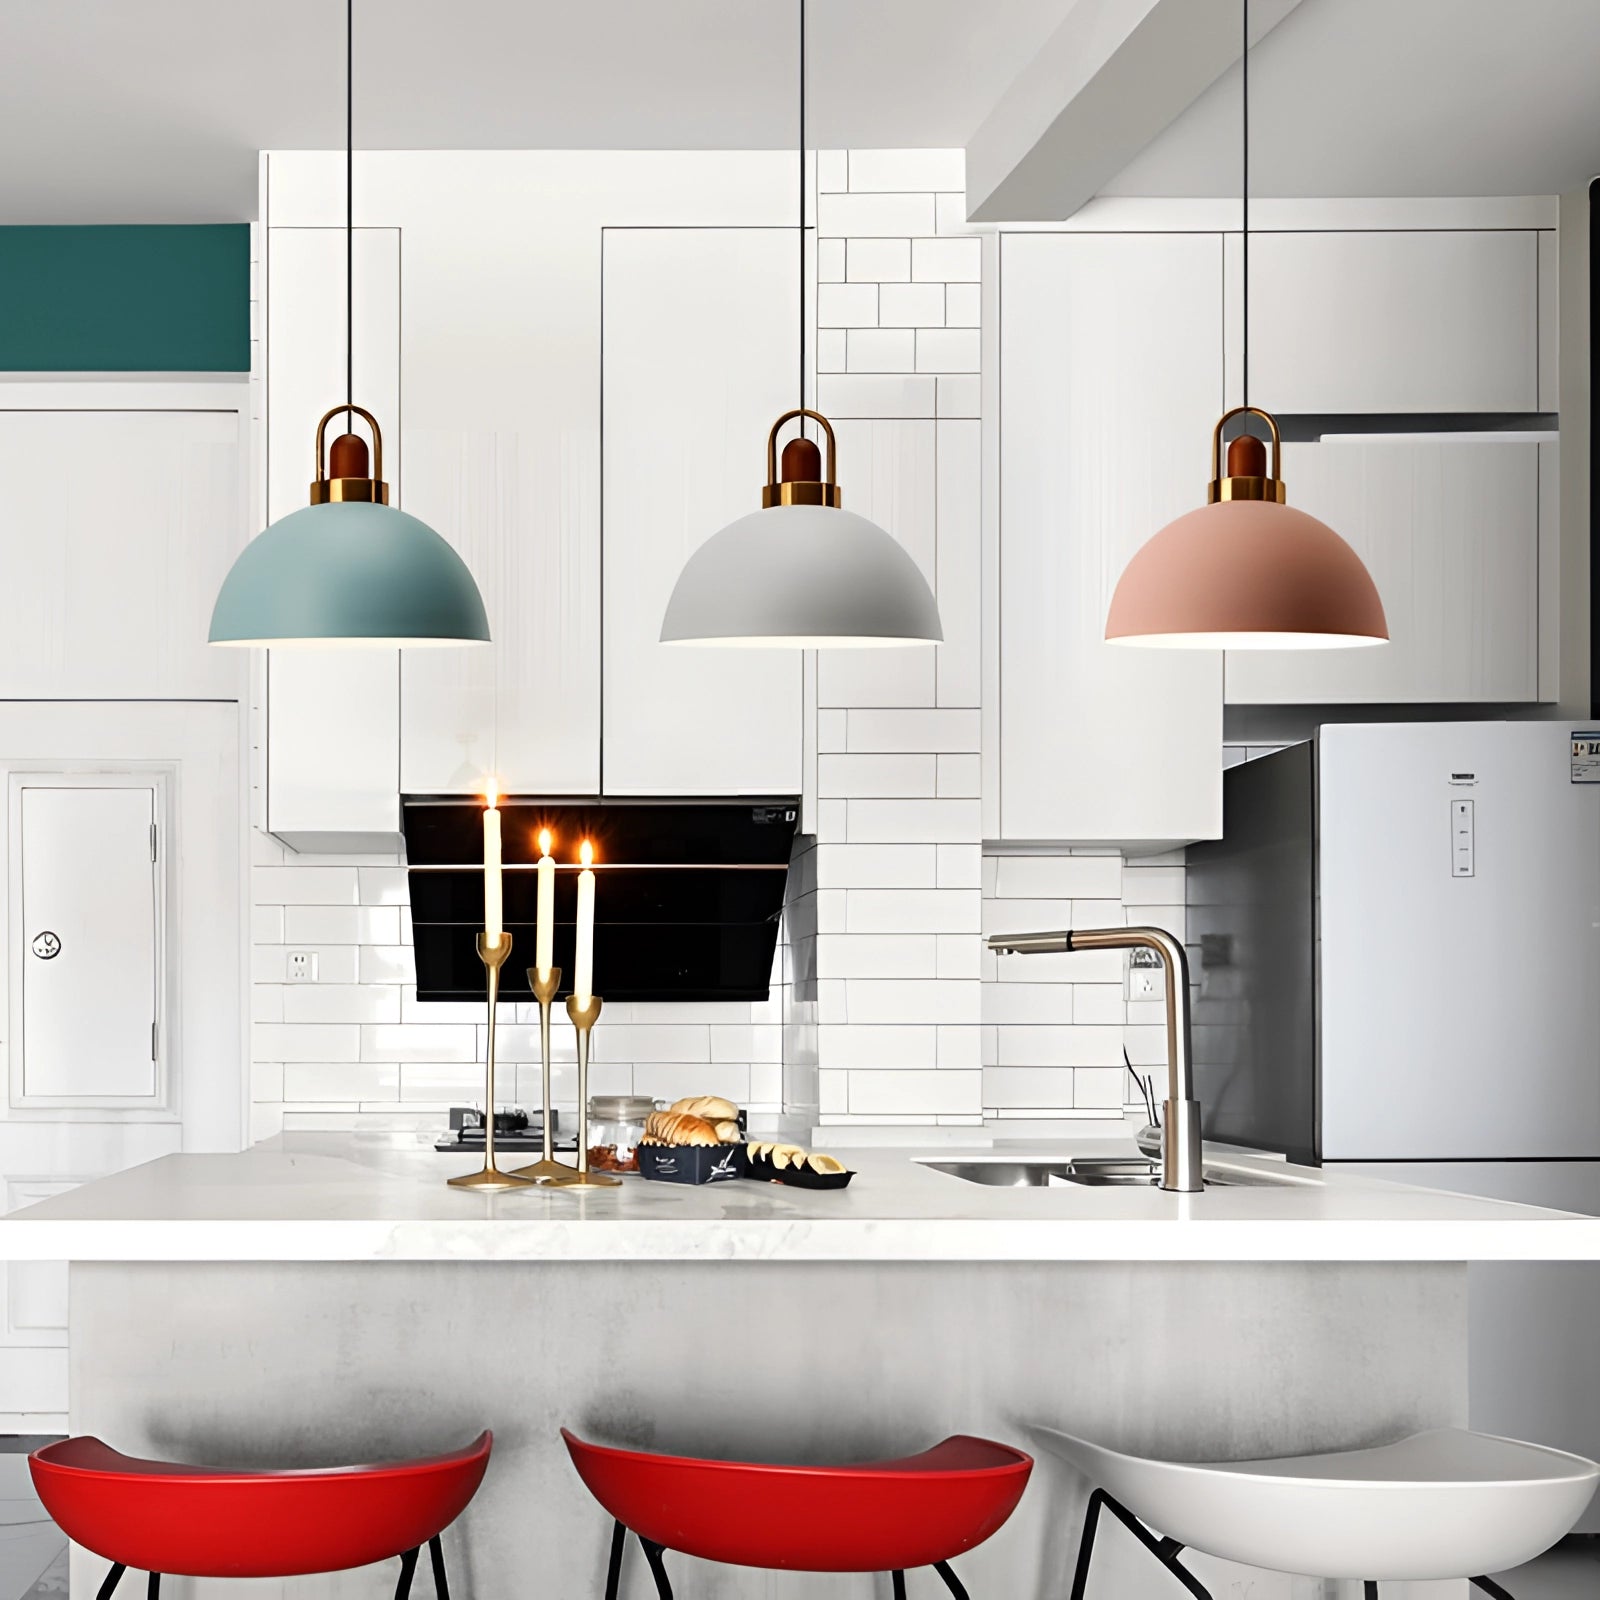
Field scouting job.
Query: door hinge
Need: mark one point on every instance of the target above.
(152, 841)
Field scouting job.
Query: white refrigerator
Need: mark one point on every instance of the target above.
(1397, 956)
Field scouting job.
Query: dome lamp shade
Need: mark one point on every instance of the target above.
(802, 572)
(349, 569)
(1246, 571)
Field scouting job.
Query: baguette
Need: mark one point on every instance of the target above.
(677, 1127)
(728, 1131)
(710, 1106)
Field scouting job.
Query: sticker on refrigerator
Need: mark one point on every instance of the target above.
(1463, 839)
(1586, 756)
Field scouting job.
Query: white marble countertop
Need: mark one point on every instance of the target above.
(379, 1197)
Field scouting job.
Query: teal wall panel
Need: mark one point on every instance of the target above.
(141, 298)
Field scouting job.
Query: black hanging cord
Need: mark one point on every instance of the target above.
(1244, 183)
(802, 216)
(349, 216)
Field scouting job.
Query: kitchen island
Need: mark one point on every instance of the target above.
(326, 1297)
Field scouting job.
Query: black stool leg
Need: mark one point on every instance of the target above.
(441, 1584)
(614, 1566)
(658, 1571)
(1494, 1590)
(113, 1578)
(408, 1567)
(1369, 1590)
(153, 1587)
(898, 1579)
(1164, 1550)
(951, 1581)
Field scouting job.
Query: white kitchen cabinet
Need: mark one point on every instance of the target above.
(118, 523)
(333, 715)
(1110, 384)
(1418, 320)
(1450, 533)
(700, 352)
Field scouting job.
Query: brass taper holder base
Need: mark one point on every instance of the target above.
(584, 1018)
(492, 952)
(546, 1169)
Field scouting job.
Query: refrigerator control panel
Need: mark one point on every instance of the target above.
(1462, 847)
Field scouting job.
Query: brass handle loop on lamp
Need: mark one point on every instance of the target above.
(347, 475)
(1245, 477)
(804, 481)
(1272, 427)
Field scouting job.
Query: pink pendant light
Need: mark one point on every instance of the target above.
(1246, 571)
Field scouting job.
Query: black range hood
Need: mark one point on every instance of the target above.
(688, 893)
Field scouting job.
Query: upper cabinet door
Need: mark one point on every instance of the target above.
(700, 357)
(1443, 320)
(1110, 384)
(333, 715)
(1450, 534)
(111, 573)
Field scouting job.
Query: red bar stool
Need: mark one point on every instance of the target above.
(879, 1516)
(198, 1522)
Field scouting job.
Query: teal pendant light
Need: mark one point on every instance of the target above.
(349, 569)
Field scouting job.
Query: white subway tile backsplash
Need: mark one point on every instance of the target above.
(881, 350)
(878, 955)
(892, 1047)
(912, 911)
(831, 260)
(384, 886)
(847, 305)
(1060, 1046)
(1153, 886)
(959, 777)
(1028, 1002)
(950, 214)
(833, 349)
(870, 1000)
(960, 1046)
(387, 963)
(1099, 1003)
(266, 924)
(913, 821)
(416, 1041)
(1103, 1088)
(862, 394)
(876, 260)
(1029, 1088)
(341, 1002)
(340, 1080)
(857, 776)
(948, 350)
(911, 305)
(959, 395)
(913, 730)
(833, 171)
(831, 723)
(962, 305)
(672, 1080)
(916, 1093)
(323, 886)
(947, 260)
(1059, 878)
(873, 171)
(865, 216)
(960, 866)
(301, 1041)
(879, 866)
(958, 955)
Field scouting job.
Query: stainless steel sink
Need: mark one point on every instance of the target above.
(1134, 1172)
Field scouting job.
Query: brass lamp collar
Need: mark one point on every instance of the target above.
(1246, 477)
(346, 477)
(804, 481)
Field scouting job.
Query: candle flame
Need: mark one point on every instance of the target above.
(491, 795)
(586, 853)
(544, 841)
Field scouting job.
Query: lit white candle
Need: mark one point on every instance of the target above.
(544, 934)
(583, 964)
(493, 916)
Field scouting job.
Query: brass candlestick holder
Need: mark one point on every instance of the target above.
(546, 1169)
(584, 1018)
(492, 952)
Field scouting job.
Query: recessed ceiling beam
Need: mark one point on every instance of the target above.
(1106, 82)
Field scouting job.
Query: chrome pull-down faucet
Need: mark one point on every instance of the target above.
(1180, 1123)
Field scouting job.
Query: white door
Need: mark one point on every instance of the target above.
(89, 946)
(1450, 533)
(700, 358)
(1110, 384)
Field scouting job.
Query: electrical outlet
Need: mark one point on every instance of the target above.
(1144, 983)
(302, 966)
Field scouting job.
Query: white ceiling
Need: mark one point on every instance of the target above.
(153, 110)
(1397, 97)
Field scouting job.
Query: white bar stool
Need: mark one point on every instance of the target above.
(1442, 1504)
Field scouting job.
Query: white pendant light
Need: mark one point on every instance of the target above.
(802, 572)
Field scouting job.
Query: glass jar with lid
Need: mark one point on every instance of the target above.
(616, 1125)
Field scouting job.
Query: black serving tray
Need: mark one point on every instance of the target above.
(691, 1163)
